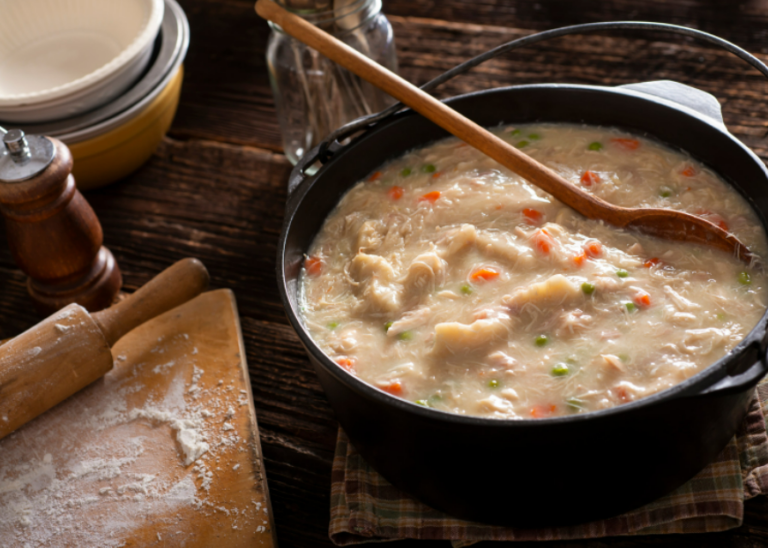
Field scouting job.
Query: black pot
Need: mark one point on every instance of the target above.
(552, 471)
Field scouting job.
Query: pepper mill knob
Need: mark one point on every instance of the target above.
(53, 233)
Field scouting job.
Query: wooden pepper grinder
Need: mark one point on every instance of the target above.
(53, 233)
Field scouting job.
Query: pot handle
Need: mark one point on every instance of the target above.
(695, 99)
(733, 384)
(334, 140)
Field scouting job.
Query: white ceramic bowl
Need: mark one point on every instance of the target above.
(58, 59)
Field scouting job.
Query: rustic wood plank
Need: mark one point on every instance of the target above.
(740, 22)
(226, 95)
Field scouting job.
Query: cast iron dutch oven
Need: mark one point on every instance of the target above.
(560, 470)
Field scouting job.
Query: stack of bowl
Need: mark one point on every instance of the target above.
(103, 76)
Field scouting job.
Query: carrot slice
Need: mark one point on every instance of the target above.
(484, 274)
(593, 248)
(375, 176)
(578, 260)
(719, 221)
(688, 172)
(622, 393)
(541, 411)
(313, 265)
(394, 388)
(347, 364)
(543, 241)
(396, 192)
(642, 298)
(713, 218)
(430, 197)
(590, 178)
(627, 144)
(437, 174)
(651, 262)
(533, 216)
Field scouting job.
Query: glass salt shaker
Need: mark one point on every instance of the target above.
(313, 95)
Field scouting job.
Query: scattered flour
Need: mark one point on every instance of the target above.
(164, 367)
(62, 328)
(189, 431)
(97, 482)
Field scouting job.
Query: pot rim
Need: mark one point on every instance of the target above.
(693, 386)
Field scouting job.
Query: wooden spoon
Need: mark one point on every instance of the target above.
(663, 223)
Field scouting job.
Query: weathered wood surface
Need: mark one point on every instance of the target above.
(216, 189)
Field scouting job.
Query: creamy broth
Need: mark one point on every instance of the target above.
(447, 280)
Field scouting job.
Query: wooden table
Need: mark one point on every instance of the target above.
(216, 187)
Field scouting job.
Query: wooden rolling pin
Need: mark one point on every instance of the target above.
(72, 348)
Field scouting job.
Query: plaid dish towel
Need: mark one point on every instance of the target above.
(366, 508)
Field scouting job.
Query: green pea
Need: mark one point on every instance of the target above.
(621, 273)
(515, 132)
(429, 168)
(494, 383)
(560, 370)
(466, 289)
(630, 307)
(387, 326)
(665, 192)
(435, 398)
(595, 146)
(588, 288)
(333, 325)
(405, 172)
(534, 136)
(522, 144)
(575, 404)
(425, 403)
(405, 336)
(541, 340)
(720, 316)
(745, 278)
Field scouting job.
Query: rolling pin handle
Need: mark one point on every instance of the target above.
(174, 286)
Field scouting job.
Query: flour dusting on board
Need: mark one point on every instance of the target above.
(146, 444)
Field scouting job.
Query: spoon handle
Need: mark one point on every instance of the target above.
(441, 114)
(662, 223)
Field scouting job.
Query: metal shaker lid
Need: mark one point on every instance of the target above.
(22, 157)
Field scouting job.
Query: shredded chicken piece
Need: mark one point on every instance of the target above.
(352, 222)
(369, 237)
(410, 320)
(613, 362)
(703, 341)
(503, 360)
(682, 304)
(495, 405)
(509, 394)
(572, 323)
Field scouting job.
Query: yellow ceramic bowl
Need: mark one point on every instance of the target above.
(105, 158)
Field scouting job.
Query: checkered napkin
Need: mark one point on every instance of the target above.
(366, 508)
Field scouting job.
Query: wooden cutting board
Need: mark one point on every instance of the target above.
(163, 451)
